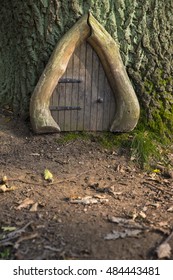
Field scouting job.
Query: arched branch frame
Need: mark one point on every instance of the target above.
(87, 28)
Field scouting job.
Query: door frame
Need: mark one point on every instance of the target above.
(87, 28)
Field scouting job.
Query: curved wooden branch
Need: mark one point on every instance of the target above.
(40, 116)
(127, 106)
(87, 28)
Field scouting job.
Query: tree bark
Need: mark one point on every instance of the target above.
(29, 31)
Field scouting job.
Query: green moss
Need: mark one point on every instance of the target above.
(160, 109)
(5, 254)
(67, 137)
(140, 145)
(144, 148)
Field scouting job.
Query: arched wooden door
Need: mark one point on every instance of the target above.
(83, 99)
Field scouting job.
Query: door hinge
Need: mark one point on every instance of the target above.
(69, 80)
(64, 108)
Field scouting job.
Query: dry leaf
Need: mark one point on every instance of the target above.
(8, 228)
(170, 209)
(142, 215)
(164, 251)
(122, 234)
(25, 203)
(34, 207)
(128, 223)
(4, 179)
(134, 214)
(48, 175)
(118, 220)
(5, 188)
(88, 200)
(163, 224)
(156, 171)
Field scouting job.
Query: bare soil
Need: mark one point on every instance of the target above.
(72, 216)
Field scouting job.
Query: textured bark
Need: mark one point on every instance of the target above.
(29, 31)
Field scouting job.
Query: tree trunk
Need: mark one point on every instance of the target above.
(29, 31)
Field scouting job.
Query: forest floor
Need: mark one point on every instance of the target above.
(99, 205)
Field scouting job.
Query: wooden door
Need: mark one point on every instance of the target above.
(83, 99)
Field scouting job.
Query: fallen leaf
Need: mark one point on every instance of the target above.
(35, 154)
(88, 200)
(142, 215)
(170, 209)
(48, 175)
(5, 188)
(8, 228)
(130, 223)
(118, 220)
(134, 214)
(157, 205)
(34, 207)
(163, 224)
(145, 208)
(152, 176)
(25, 203)
(4, 179)
(163, 251)
(156, 171)
(122, 234)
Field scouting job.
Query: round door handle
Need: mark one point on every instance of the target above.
(100, 100)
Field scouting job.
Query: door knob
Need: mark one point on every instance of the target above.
(100, 100)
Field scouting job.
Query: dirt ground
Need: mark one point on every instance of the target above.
(98, 206)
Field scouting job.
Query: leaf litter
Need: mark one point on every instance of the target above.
(25, 203)
(128, 223)
(122, 234)
(7, 238)
(5, 188)
(121, 205)
(88, 200)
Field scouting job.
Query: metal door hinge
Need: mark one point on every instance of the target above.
(69, 80)
(64, 108)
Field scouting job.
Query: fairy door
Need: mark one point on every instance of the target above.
(83, 99)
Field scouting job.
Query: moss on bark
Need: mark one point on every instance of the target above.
(30, 30)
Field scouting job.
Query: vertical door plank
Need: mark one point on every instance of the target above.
(75, 90)
(68, 95)
(95, 93)
(112, 107)
(101, 96)
(88, 88)
(107, 101)
(61, 90)
(81, 92)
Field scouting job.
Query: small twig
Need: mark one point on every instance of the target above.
(52, 249)
(14, 234)
(24, 238)
(157, 188)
